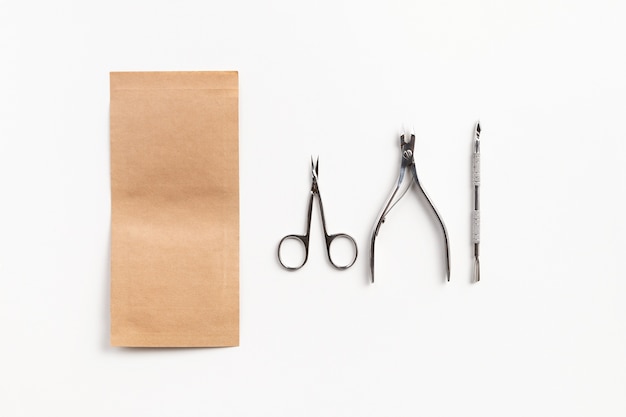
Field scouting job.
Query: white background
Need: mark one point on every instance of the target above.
(543, 333)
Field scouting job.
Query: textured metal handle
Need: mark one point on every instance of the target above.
(476, 169)
(475, 226)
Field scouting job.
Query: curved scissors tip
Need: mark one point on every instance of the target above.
(315, 166)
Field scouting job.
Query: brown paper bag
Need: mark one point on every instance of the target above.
(175, 209)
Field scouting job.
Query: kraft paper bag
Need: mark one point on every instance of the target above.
(175, 209)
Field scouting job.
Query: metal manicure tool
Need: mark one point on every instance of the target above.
(406, 178)
(304, 239)
(476, 211)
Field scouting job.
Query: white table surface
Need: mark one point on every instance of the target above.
(543, 333)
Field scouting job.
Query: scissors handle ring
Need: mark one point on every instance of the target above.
(330, 239)
(304, 239)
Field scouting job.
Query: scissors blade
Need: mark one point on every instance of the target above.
(315, 168)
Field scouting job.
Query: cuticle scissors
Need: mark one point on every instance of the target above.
(329, 239)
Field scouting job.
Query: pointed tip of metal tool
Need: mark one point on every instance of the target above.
(477, 130)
